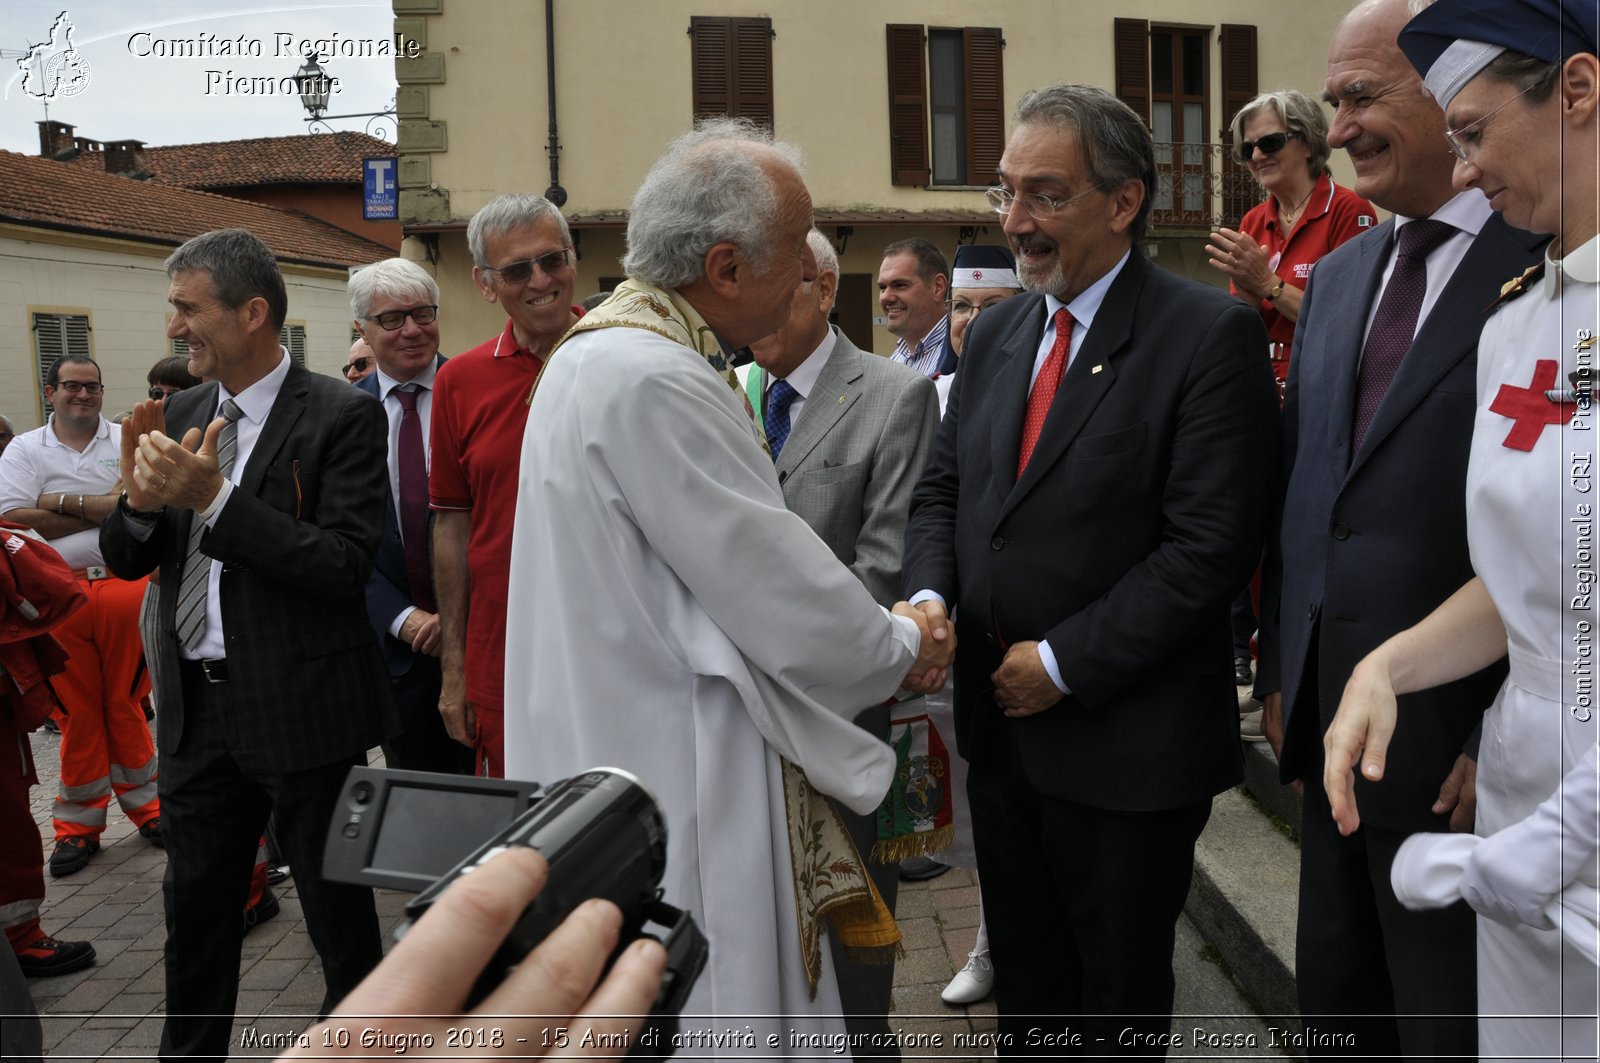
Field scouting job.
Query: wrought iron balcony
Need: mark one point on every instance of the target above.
(1200, 187)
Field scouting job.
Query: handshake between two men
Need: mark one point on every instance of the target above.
(935, 652)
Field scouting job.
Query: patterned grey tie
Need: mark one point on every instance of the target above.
(191, 613)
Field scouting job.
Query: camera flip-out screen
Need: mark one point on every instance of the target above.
(404, 830)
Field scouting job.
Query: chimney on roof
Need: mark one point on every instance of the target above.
(125, 158)
(82, 145)
(56, 140)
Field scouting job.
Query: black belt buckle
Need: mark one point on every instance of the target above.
(215, 668)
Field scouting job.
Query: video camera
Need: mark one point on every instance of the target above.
(601, 833)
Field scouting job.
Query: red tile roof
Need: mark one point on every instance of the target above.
(318, 158)
(35, 191)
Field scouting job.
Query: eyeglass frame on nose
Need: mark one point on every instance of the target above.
(972, 309)
(548, 263)
(357, 366)
(426, 314)
(160, 392)
(1466, 152)
(1001, 201)
(1245, 150)
(73, 387)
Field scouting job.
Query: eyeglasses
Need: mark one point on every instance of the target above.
(72, 387)
(395, 320)
(1039, 207)
(1270, 144)
(360, 364)
(519, 272)
(161, 391)
(1466, 141)
(962, 308)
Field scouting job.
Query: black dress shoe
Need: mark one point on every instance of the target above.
(921, 869)
(1241, 672)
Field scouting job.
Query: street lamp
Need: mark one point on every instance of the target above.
(313, 83)
(316, 86)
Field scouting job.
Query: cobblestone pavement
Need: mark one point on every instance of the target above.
(114, 1009)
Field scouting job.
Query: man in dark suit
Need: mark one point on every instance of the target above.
(850, 433)
(260, 496)
(1097, 496)
(396, 306)
(1378, 418)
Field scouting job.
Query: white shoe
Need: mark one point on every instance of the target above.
(1250, 727)
(972, 983)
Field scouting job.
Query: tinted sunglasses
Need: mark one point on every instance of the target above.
(359, 365)
(1270, 144)
(519, 272)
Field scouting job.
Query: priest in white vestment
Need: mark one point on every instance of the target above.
(669, 616)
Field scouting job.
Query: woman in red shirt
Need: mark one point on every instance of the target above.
(1283, 138)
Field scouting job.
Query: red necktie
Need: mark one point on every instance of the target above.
(414, 499)
(1044, 388)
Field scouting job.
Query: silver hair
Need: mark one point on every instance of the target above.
(398, 278)
(822, 250)
(707, 188)
(241, 268)
(1115, 143)
(515, 210)
(1300, 115)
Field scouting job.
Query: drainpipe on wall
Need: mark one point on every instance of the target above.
(555, 193)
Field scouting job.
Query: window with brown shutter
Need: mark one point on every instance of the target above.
(1238, 51)
(946, 105)
(908, 107)
(1164, 74)
(731, 61)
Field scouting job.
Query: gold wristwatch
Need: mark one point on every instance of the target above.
(1277, 290)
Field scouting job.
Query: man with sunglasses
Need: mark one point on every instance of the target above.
(1378, 415)
(396, 306)
(522, 259)
(61, 480)
(359, 363)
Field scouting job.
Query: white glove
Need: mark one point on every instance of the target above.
(1513, 875)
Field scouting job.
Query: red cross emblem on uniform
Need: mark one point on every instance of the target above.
(1529, 407)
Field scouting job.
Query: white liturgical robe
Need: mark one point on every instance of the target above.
(669, 616)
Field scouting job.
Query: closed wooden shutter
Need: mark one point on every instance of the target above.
(1239, 87)
(986, 119)
(56, 335)
(712, 66)
(752, 40)
(293, 337)
(908, 106)
(731, 68)
(1131, 58)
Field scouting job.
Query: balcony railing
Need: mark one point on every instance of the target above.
(1200, 186)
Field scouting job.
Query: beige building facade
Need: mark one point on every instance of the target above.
(900, 107)
(108, 298)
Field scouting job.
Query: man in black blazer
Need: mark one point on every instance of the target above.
(396, 306)
(282, 686)
(1094, 681)
(1372, 538)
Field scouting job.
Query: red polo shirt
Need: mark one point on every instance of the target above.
(480, 407)
(1332, 216)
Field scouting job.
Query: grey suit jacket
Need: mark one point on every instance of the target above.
(853, 456)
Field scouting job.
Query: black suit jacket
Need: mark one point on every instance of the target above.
(1371, 543)
(1137, 521)
(296, 540)
(389, 586)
